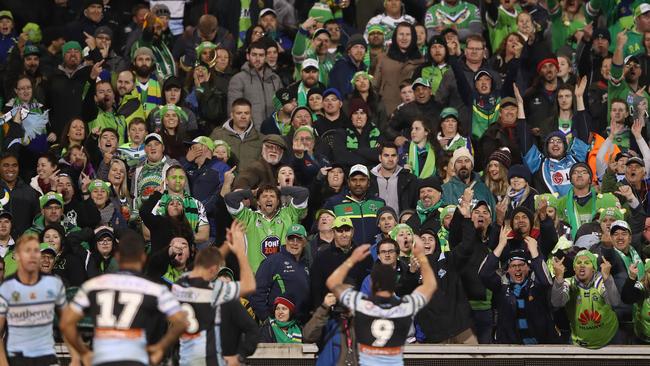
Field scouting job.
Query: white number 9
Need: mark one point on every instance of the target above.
(193, 324)
(382, 330)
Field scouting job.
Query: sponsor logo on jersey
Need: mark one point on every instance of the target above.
(270, 245)
(15, 296)
(31, 314)
(589, 316)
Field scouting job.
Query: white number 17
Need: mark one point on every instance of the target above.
(108, 319)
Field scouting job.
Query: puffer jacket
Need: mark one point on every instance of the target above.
(259, 90)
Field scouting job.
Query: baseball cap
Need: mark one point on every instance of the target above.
(267, 11)
(6, 14)
(631, 58)
(161, 10)
(641, 9)
(297, 230)
(508, 101)
(482, 203)
(98, 183)
(45, 247)
(635, 160)
(342, 221)
(45, 199)
(518, 255)
(332, 91)
(275, 140)
(359, 168)
(320, 31)
(310, 62)
(205, 141)
(105, 31)
(619, 224)
(602, 33)
(322, 211)
(449, 112)
(7, 214)
(151, 137)
(31, 49)
(421, 81)
(481, 73)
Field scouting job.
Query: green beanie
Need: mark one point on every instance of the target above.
(203, 46)
(447, 210)
(218, 143)
(551, 199)
(304, 128)
(393, 233)
(588, 254)
(321, 12)
(70, 45)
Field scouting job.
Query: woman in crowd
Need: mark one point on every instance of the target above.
(496, 174)
(46, 171)
(363, 137)
(420, 157)
(173, 93)
(450, 135)
(172, 130)
(118, 179)
(362, 84)
(74, 134)
(315, 101)
(510, 49)
(281, 328)
(402, 58)
(109, 207)
(101, 259)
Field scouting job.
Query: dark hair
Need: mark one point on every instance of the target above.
(241, 101)
(174, 167)
(388, 241)
(24, 76)
(412, 53)
(136, 8)
(442, 162)
(387, 145)
(65, 140)
(208, 257)
(618, 100)
(501, 51)
(383, 278)
(267, 187)
(258, 45)
(131, 246)
(111, 130)
(138, 120)
(8, 154)
(53, 160)
(405, 83)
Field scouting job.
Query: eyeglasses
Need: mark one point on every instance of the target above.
(386, 252)
(258, 33)
(105, 241)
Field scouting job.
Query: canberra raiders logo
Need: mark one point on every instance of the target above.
(270, 245)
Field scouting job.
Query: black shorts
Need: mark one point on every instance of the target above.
(20, 360)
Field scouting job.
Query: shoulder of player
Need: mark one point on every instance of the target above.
(125, 281)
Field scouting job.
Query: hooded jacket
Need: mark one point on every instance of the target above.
(406, 187)
(23, 205)
(258, 89)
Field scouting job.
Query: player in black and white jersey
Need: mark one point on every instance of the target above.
(200, 345)
(28, 303)
(382, 321)
(122, 306)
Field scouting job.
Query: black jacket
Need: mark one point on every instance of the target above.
(406, 189)
(242, 331)
(400, 123)
(537, 309)
(495, 137)
(64, 97)
(23, 205)
(448, 313)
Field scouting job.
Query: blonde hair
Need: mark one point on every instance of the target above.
(123, 189)
(25, 238)
(498, 187)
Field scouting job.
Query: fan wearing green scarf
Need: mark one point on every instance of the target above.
(421, 159)
(403, 235)
(429, 195)
(280, 328)
(588, 298)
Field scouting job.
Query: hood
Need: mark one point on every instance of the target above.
(226, 126)
(375, 171)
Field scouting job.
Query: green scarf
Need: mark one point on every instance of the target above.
(413, 160)
(244, 21)
(293, 333)
(423, 212)
(352, 142)
(302, 95)
(633, 258)
(572, 213)
(190, 209)
(443, 239)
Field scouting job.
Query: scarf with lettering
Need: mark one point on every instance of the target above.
(286, 332)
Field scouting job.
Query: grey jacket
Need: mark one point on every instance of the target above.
(259, 90)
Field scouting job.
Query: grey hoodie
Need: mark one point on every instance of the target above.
(259, 90)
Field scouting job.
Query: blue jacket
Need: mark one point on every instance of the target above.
(281, 275)
(205, 182)
(342, 73)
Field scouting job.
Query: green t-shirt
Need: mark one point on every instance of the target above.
(563, 28)
(264, 236)
(593, 321)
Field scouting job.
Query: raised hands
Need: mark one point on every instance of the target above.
(633, 271)
(605, 268)
(559, 269)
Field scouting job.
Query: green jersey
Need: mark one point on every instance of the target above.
(618, 88)
(264, 236)
(459, 15)
(505, 24)
(434, 74)
(593, 321)
(641, 315)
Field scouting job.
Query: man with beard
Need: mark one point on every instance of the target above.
(17, 196)
(578, 205)
(25, 60)
(318, 50)
(153, 39)
(64, 89)
(256, 82)
(147, 86)
(128, 98)
(358, 204)
(271, 221)
(263, 171)
(452, 191)
(207, 30)
(345, 68)
(435, 70)
(540, 102)
(521, 223)
(588, 298)
(521, 293)
(102, 104)
(625, 75)
(308, 80)
(430, 194)
(376, 49)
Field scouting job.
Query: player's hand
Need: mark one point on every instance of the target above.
(156, 354)
(87, 358)
(329, 300)
(360, 253)
(238, 238)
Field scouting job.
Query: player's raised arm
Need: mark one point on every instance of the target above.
(335, 280)
(429, 284)
(237, 243)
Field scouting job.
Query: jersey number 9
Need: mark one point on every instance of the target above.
(382, 330)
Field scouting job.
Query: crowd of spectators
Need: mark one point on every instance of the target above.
(511, 137)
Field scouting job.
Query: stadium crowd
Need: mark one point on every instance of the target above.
(480, 165)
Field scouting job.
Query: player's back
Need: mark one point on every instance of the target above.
(201, 343)
(122, 306)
